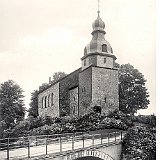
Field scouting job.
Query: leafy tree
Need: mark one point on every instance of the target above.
(11, 103)
(133, 94)
(33, 110)
(57, 76)
(43, 87)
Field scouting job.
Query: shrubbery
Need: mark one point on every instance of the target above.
(67, 124)
(126, 119)
(88, 122)
(109, 123)
(24, 127)
(139, 144)
(149, 120)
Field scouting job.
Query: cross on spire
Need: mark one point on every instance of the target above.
(98, 7)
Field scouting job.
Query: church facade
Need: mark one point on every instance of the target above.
(93, 86)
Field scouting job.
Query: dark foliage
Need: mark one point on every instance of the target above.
(125, 118)
(149, 120)
(33, 110)
(57, 76)
(11, 104)
(139, 144)
(133, 94)
(47, 125)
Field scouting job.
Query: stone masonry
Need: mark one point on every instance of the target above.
(95, 84)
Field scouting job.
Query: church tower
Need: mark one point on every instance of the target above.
(98, 52)
(98, 80)
(93, 86)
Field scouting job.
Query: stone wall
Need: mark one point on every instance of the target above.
(73, 96)
(48, 101)
(90, 60)
(108, 63)
(105, 88)
(66, 84)
(85, 90)
(113, 150)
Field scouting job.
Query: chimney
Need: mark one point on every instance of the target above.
(49, 80)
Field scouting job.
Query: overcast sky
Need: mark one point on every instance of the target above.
(40, 37)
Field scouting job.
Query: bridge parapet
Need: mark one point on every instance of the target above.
(57, 144)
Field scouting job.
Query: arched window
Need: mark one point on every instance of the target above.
(74, 109)
(84, 62)
(45, 102)
(105, 60)
(85, 51)
(52, 99)
(48, 100)
(104, 48)
(42, 101)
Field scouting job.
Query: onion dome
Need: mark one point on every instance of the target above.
(98, 24)
(98, 44)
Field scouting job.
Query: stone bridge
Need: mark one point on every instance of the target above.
(106, 146)
(103, 152)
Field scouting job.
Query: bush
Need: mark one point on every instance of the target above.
(109, 123)
(149, 120)
(139, 143)
(126, 119)
(88, 122)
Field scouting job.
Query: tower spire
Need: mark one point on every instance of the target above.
(98, 7)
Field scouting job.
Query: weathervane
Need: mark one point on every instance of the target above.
(98, 7)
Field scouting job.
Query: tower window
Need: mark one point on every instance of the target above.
(111, 50)
(85, 51)
(104, 60)
(83, 89)
(84, 62)
(104, 48)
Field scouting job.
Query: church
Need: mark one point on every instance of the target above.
(93, 86)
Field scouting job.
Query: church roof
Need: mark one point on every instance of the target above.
(98, 24)
(52, 84)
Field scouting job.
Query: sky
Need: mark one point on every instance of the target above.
(41, 37)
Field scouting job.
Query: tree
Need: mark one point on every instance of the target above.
(43, 87)
(11, 103)
(57, 76)
(33, 110)
(133, 94)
